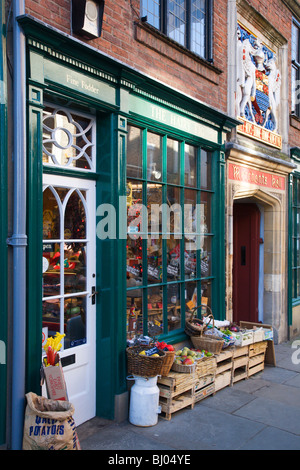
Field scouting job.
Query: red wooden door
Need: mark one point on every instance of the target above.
(246, 238)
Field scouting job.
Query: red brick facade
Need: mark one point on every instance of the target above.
(126, 38)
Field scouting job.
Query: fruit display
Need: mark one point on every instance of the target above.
(187, 356)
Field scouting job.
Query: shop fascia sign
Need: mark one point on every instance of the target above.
(248, 175)
(257, 89)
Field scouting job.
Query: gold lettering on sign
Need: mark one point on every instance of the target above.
(259, 178)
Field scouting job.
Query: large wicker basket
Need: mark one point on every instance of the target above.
(167, 363)
(211, 343)
(142, 365)
(196, 326)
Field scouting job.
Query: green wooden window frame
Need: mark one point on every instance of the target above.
(150, 314)
(295, 239)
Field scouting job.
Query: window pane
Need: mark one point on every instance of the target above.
(173, 223)
(190, 259)
(154, 256)
(173, 259)
(51, 215)
(51, 316)
(134, 250)
(134, 208)
(206, 255)
(51, 269)
(154, 202)
(154, 157)
(150, 8)
(190, 166)
(205, 213)
(198, 27)
(295, 42)
(190, 298)
(75, 321)
(206, 293)
(190, 213)
(74, 267)
(174, 311)
(294, 88)
(134, 313)
(134, 152)
(155, 311)
(173, 161)
(177, 21)
(205, 170)
(75, 217)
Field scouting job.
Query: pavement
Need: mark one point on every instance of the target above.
(258, 413)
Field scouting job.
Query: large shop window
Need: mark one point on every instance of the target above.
(295, 68)
(169, 237)
(187, 22)
(296, 239)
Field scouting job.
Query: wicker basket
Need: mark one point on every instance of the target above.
(144, 366)
(185, 369)
(210, 343)
(167, 363)
(195, 326)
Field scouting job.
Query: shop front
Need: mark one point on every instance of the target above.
(125, 211)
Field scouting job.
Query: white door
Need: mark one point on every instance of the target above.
(69, 278)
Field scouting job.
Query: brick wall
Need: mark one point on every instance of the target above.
(127, 39)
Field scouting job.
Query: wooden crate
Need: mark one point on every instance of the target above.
(256, 364)
(206, 366)
(204, 392)
(176, 382)
(224, 360)
(176, 402)
(240, 364)
(176, 391)
(223, 380)
(257, 348)
(240, 351)
(203, 382)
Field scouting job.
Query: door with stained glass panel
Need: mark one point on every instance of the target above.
(69, 282)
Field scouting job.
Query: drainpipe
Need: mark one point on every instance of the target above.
(18, 240)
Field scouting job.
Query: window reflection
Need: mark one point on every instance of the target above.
(174, 307)
(75, 217)
(134, 152)
(155, 311)
(154, 157)
(51, 215)
(190, 166)
(173, 162)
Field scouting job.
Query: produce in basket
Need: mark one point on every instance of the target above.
(187, 356)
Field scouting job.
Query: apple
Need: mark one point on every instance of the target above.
(188, 361)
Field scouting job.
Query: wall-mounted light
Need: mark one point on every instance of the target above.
(87, 16)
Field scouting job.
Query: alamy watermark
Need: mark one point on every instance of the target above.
(139, 221)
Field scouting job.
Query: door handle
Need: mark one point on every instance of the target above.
(93, 295)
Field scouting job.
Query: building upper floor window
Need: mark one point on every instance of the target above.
(295, 68)
(187, 22)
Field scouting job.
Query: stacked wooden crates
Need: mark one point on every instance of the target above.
(224, 368)
(179, 390)
(205, 378)
(257, 352)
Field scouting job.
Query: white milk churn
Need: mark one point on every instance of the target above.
(144, 399)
